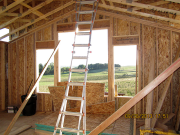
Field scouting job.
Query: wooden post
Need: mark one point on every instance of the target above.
(29, 95)
(56, 58)
(149, 103)
(146, 90)
(116, 91)
(110, 63)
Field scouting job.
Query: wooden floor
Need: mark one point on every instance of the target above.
(6, 118)
(119, 127)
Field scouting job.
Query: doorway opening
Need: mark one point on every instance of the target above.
(125, 69)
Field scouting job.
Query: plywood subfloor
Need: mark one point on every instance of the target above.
(6, 118)
(120, 126)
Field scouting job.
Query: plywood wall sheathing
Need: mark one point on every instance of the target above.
(134, 28)
(47, 33)
(9, 74)
(123, 27)
(21, 66)
(29, 40)
(39, 35)
(164, 60)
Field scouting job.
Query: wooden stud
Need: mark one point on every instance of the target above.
(25, 65)
(18, 98)
(178, 120)
(149, 103)
(116, 91)
(146, 90)
(171, 63)
(110, 63)
(143, 64)
(157, 72)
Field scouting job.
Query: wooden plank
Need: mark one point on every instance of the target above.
(176, 1)
(146, 6)
(149, 104)
(110, 63)
(29, 95)
(170, 116)
(160, 103)
(139, 13)
(125, 40)
(26, 13)
(45, 45)
(17, 76)
(161, 126)
(159, 79)
(11, 6)
(40, 18)
(102, 23)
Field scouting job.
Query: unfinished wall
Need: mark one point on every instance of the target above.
(3, 86)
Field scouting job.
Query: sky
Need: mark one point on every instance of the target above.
(3, 32)
(123, 55)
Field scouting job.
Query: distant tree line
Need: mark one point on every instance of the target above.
(50, 68)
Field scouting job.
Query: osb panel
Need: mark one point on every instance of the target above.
(48, 102)
(39, 102)
(47, 33)
(86, 17)
(175, 79)
(121, 101)
(120, 126)
(134, 28)
(14, 76)
(21, 77)
(123, 27)
(163, 62)
(30, 60)
(149, 35)
(39, 35)
(101, 108)
(114, 26)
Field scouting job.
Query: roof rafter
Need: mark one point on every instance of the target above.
(11, 6)
(40, 18)
(176, 1)
(139, 13)
(26, 13)
(146, 6)
(35, 12)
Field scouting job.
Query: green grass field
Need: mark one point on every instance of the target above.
(124, 78)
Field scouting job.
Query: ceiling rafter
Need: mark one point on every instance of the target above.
(9, 14)
(153, 4)
(38, 19)
(19, 20)
(146, 6)
(26, 13)
(10, 6)
(140, 13)
(35, 12)
(176, 1)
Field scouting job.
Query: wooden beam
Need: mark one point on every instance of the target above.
(46, 24)
(29, 95)
(35, 12)
(163, 95)
(149, 103)
(170, 116)
(26, 13)
(159, 79)
(11, 6)
(137, 20)
(125, 40)
(9, 14)
(40, 18)
(45, 44)
(140, 13)
(146, 6)
(110, 63)
(176, 1)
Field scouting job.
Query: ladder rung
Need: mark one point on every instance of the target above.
(84, 22)
(83, 33)
(86, 2)
(81, 45)
(72, 113)
(79, 57)
(78, 70)
(74, 98)
(76, 83)
(85, 12)
(70, 129)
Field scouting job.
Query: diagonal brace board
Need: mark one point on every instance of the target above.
(29, 95)
(153, 84)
